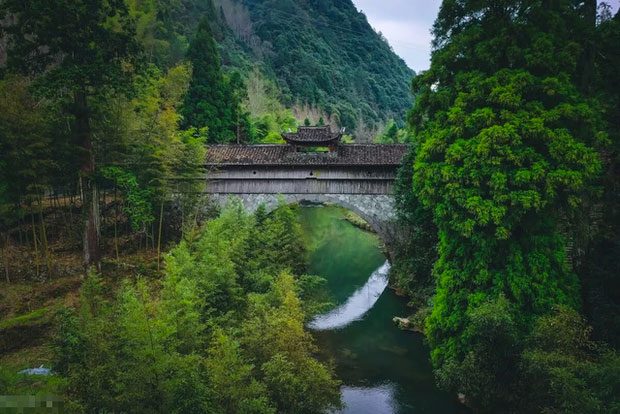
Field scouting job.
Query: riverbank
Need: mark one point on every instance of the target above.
(357, 221)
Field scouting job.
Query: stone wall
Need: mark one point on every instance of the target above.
(364, 189)
(307, 186)
(377, 210)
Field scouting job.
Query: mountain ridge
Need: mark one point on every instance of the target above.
(323, 55)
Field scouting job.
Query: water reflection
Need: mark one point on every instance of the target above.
(369, 400)
(357, 305)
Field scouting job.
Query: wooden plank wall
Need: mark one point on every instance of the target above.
(287, 180)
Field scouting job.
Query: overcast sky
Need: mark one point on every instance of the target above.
(407, 24)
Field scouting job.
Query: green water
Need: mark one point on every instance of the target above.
(383, 369)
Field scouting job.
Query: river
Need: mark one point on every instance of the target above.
(384, 370)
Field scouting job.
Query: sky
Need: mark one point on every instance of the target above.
(407, 24)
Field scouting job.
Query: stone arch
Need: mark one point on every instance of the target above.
(377, 210)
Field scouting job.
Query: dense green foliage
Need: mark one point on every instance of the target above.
(508, 139)
(33, 145)
(598, 266)
(89, 114)
(82, 51)
(214, 98)
(223, 334)
(565, 370)
(415, 248)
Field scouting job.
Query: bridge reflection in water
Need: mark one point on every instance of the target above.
(356, 306)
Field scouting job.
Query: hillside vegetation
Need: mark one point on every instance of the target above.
(320, 58)
(324, 53)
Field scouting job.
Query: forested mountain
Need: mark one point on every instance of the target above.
(322, 56)
(325, 53)
(319, 58)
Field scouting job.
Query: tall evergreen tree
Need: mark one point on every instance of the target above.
(505, 158)
(209, 100)
(599, 267)
(26, 137)
(82, 49)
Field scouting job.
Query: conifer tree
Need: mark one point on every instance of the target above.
(231, 379)
(505, 156)
(599, 267)
(82, 49)
(209, 101)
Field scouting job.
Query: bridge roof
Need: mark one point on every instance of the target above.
(275, 155)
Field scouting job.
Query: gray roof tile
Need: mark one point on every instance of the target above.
(270, 155)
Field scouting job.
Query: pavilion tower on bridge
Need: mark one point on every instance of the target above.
(313, 138)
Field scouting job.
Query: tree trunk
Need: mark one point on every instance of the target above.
(20, 229)
(116, 214)
(36, 246)
(72, 204)
(161, 222)
(46, 252)
(90, 193)
(589, 47)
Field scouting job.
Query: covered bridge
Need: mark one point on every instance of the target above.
(313, 166)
